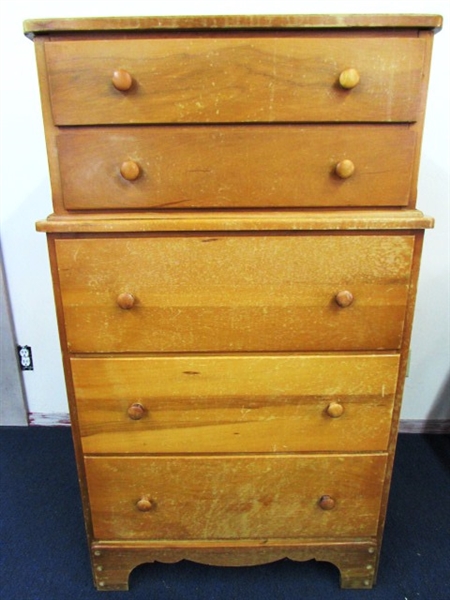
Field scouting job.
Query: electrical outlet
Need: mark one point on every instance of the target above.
(25, 358)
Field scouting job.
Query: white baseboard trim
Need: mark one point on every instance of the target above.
(49, 419)
(440, 426)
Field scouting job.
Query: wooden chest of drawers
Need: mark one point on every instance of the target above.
(235, 250)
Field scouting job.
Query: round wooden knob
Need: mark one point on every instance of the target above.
(344, 298)
(130, 170)
(335, 410)
(125, 301)
(344, 169)
(349, 79)
(327, 503)
(145, 504)
(122, 80)
(136, 411)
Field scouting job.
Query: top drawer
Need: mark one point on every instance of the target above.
(224, 78)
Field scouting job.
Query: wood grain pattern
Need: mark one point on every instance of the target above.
(236, 166)
(198, 404)
(238, 79)
(234, 293)
(221, 497)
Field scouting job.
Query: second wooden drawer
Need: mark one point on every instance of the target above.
(236, 166)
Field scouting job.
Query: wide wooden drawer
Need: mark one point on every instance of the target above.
(236, 166)
(257, 403)
(236, 497)
(233, 293)
(226, 78)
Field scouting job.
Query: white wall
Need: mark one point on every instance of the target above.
(25, 190)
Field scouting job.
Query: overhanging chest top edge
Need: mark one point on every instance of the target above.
(271, 221)
(34, 27)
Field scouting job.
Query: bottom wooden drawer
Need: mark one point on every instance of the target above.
(225, 497)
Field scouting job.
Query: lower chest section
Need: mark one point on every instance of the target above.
(235, 385)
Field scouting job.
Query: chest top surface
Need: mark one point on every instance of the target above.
(33, 27)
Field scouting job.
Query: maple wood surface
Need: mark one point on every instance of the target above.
(235, 252)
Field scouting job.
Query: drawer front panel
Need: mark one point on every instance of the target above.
(227, 79)
(201, 166)
(234, 497)
(234, 292)
(195, 404)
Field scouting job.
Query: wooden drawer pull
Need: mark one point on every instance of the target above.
(122, 80)
(145, 504)
(344, 298)
(327, 503)
(136, 411)
(130, 170)
(344, 169)
(349, 79)
(335, 410)
(125, 300)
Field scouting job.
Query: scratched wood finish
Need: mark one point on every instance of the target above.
(201, 166)
(234, 293)
(236, 497)
(220, 79)
(195, 404)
